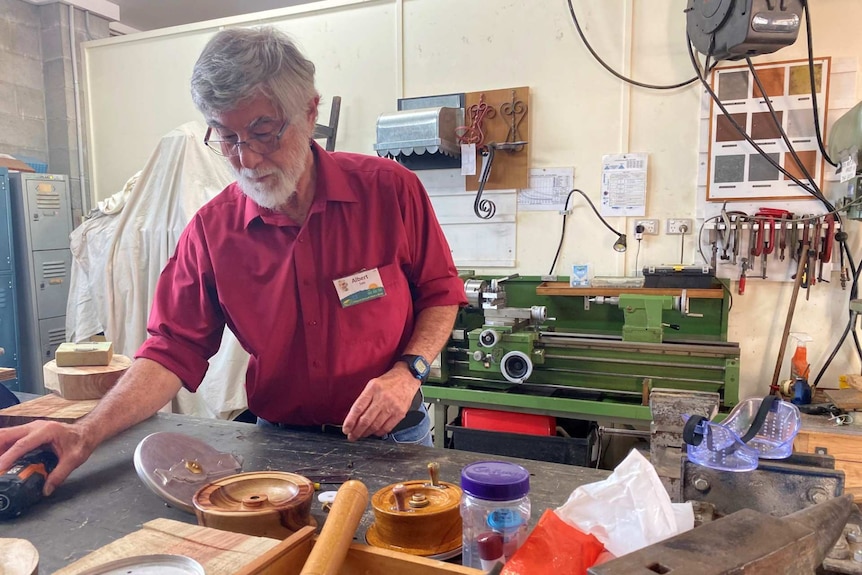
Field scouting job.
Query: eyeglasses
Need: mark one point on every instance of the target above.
(260, 144)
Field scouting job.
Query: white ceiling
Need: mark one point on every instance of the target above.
(152, 14)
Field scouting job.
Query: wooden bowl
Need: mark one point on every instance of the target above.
(263, 503)
(430, 530)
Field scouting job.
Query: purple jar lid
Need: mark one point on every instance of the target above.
(495, 480)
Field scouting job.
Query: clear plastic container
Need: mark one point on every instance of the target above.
(496, 500)
(774, 439)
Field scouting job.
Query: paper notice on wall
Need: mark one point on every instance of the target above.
(624, 181)
(549, 188)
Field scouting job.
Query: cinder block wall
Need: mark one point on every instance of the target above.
(37, 105)
(23, 129)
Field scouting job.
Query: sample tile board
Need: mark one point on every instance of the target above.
(736, 171)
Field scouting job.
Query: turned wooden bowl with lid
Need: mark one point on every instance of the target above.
(418, 517)
(263, 503)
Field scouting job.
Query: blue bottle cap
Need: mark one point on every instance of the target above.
(495, 480)
(505, 520)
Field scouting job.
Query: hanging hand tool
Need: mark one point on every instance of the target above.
(713, 240)
(735, 238)
(826, 246)
(764, 245)
(785, 232)
(745, 267)
(814, 250)
(840, 238)
(808, 279)
(793, 239)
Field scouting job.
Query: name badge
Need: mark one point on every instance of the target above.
(359, 287)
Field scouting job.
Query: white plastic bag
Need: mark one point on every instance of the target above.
(629, 510)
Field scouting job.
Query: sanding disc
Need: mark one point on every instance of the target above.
(149, 565)
(174, 466)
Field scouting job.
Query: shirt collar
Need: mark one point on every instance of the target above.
(332, 186)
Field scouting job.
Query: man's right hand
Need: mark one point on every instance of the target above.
(67, 441)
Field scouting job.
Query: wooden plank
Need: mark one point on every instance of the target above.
(841, 447)
(219, 552)
(846, 399)
(46, 407)
(511, 170)
(226, 553)
(71, 354)
(7, 373)
(563, 288)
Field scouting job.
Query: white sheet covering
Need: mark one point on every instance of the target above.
(118, 256)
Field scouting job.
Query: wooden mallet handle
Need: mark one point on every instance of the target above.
(337, 533)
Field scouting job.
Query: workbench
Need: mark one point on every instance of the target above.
(104, 499)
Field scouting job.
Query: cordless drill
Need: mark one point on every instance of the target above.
(21, 485)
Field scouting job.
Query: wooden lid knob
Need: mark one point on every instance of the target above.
(400, 493)
(434, 472)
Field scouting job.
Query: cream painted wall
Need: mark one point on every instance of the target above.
(372, 52)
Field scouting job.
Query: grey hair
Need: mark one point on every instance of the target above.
(240, 63)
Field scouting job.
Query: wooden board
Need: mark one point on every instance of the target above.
(86, 381)
(219, 552)
(7, 373)
(46, 407)
(511, 170)
(847, 399)
(71, 354)
(844, 443)
(226, 553)
(563, 288)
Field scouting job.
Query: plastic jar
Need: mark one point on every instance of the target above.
(496, 499)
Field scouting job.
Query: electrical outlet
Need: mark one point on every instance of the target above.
(678, 226)
(650, 226)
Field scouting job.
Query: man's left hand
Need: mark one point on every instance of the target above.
(382, 404)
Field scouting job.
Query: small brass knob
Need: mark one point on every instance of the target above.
(418, 500)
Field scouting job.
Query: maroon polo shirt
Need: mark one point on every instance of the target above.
(271, 282)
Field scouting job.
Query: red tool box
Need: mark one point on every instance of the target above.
(508, 421)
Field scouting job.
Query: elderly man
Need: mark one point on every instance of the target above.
(330, 268)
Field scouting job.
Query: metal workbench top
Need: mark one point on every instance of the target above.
(104, 500)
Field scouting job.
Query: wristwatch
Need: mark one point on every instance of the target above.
(418, 365)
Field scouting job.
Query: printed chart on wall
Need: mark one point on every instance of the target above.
(735, 170)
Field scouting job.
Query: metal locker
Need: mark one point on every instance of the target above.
(52, 332)
(42, 222)
(53, 270)
(5, 223)
(9, 327)
(8, 300)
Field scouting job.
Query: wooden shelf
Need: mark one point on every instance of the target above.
(563, 288)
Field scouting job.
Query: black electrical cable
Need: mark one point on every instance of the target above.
(562, 233)
(739, 128)
(808, 37)
(614, 72)
(854, 289)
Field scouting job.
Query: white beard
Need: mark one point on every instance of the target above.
(277, 190)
